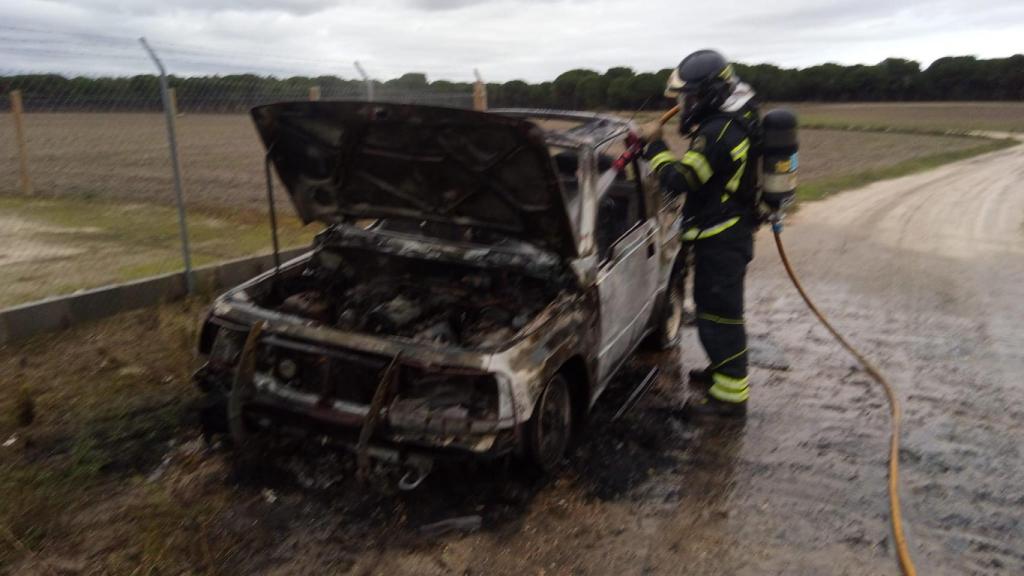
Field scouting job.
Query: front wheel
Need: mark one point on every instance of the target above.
(549, 431)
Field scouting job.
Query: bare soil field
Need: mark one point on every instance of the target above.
(124, 157)
(104, 207)
(103, 471)
(832, 153)
(927, 116)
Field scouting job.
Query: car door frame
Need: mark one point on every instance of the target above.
(633, 265)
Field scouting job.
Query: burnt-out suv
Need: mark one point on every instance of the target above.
(480, 279)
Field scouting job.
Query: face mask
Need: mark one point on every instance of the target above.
(687, 103)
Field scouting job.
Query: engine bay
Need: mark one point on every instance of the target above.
(438, 302)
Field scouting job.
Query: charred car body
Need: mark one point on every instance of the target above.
(479, 281)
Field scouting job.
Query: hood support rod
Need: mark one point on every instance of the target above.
(273, 211)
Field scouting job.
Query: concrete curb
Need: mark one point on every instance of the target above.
(62, 312)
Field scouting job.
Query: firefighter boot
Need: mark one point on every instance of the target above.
(701, 380)
(725, 398)
(707, 407)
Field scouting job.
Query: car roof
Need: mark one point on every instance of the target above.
(589, 129)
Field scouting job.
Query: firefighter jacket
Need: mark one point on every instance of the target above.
(718, 174)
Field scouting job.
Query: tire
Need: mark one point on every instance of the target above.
(549, 431)
(670, 319)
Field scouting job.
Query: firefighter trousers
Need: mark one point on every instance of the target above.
(720, 267)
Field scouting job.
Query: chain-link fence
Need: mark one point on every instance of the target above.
(87, 190)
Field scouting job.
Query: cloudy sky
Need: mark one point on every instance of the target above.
(506, 39)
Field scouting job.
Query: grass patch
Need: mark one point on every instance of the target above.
(171, 534)
(914, 117)
(214, 234)
(109, 476)
(825, 123)
(59, 245)
(101, 421)
(822, 187)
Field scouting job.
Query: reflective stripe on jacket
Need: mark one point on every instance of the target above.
(712, 173)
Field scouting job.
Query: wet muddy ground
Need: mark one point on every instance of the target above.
(925, 273)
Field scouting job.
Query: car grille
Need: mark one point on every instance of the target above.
(347, 376)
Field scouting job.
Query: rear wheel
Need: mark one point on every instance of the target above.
(549, 431)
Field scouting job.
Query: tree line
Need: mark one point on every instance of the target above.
(893, 79)
(619, 88)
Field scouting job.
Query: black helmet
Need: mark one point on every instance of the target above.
(702, 82)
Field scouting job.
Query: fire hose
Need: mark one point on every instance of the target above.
(634, 148)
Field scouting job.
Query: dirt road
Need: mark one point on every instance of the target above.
(925, 273)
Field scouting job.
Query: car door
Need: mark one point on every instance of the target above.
(627, 276)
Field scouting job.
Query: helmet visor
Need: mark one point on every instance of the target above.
(675, 85)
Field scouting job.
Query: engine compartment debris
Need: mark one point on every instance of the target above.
(441, 303)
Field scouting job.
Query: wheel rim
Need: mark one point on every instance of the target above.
(555, 423)
(676, 297)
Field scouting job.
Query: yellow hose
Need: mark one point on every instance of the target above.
(902, 552)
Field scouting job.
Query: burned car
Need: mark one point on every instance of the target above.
(480, 278)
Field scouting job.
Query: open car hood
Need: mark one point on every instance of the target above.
(348, 160)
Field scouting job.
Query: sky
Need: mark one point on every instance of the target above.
(533, 40)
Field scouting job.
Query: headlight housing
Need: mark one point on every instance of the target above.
(227, 347)
(287, 368)
(474, 396)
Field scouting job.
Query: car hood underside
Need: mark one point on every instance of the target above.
(349, 160)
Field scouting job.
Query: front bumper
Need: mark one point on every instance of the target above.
(334, 397)
(405, 422)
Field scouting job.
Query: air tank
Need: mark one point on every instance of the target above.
(781, 158)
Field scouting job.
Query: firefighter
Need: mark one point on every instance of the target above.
(718, 176)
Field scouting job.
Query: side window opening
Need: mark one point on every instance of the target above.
(567, 163)
(620, 209)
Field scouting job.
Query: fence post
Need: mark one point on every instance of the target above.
(314, 93)
(367, 80)
(479, 92)
(172, 142)
(172, 96)
(18, 110)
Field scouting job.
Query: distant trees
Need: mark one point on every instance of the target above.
(622, 88)
(893, 79)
